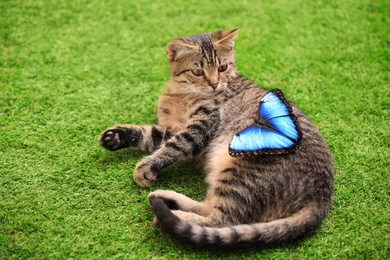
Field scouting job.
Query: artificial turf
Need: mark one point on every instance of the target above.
(69, 69)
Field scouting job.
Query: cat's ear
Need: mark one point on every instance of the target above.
(226, 37)
(178, 47)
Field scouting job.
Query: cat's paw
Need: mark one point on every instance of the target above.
(120, 137)
(169, 197)
(144, 174)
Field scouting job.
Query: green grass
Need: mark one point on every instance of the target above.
(69, 69)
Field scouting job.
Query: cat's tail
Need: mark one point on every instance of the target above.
(274, 232)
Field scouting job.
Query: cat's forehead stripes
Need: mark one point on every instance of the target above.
(207, 49)
(209, 54)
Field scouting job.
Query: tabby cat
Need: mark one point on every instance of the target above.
(266, 198)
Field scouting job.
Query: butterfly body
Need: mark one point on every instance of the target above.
(276, 131)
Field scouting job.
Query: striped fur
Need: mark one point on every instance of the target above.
(250, 200)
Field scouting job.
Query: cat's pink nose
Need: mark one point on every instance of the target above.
(214, 85)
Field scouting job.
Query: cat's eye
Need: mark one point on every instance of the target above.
(222, 68)
(197, 72)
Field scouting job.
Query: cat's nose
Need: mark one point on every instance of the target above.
(214, 85)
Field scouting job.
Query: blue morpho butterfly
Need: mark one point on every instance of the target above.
(275, 132)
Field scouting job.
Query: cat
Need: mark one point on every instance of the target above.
(251, 199)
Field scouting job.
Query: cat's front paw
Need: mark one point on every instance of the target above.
(120, 137)
(144, 174)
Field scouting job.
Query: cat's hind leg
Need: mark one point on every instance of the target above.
(191, 217)
(147, 138)
(182, 207)
(177, 201)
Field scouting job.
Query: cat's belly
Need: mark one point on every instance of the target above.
(171, 113)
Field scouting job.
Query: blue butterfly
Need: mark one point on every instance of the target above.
(276, 131)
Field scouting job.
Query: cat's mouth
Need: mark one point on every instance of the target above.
(212, 87)
(210, 90)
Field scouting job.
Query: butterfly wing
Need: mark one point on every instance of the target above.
(258, 140)
(247, 139)
(276, 133)
(285, 126)
(273, 104)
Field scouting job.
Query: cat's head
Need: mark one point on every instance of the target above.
(202, 63)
